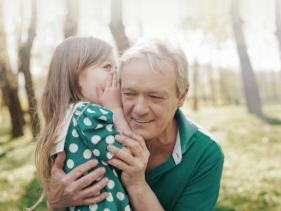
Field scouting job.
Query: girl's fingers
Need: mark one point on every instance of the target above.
(108, 83)
(99, 92)
(114, 79)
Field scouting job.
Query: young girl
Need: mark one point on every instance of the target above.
(81, 105)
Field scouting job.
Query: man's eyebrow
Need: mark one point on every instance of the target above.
(157, 92)
(127, 89)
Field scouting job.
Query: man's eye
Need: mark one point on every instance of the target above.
(156, 98)
(128, 93)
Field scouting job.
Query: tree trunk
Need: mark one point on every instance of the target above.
(278, 25)
(8, 84)
(195, 86)
(274, 89)
(24, 67)
(117, 27)
(251, 90)
(71, 21)
(212, 83)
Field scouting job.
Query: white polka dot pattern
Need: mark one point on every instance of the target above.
(109, 139)
(120, 196)
(95, 139)
(73, 148)
(109, 127)
(74, 133)
(109, 155)
(109, 197)
(87, 154)
(103, 118)
(110, 184)
(69, 163)
(93, 207)
(96, 152)
(87, 121)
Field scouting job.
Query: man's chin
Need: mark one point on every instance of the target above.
(146, 135)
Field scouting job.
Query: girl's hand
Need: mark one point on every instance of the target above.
(110, 97)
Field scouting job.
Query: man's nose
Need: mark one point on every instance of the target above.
(141, 106)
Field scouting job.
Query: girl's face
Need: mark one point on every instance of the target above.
(95, 77)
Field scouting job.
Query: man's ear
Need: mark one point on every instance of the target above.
(182, 98)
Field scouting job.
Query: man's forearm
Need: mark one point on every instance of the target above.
(143, 198)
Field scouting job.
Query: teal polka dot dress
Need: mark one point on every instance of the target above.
(90, 130)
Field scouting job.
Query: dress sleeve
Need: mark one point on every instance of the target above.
(94, 124)
(202, 192)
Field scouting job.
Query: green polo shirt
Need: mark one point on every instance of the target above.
(190, 178)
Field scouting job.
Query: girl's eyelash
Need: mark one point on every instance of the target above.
(107, 66)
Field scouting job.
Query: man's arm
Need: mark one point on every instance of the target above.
(143, 198)
(72, 189)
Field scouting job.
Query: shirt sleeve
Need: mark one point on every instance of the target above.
(202, 192)
(95, 127)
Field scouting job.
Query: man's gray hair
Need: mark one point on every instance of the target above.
(159, 53)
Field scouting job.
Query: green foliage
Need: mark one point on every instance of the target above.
(251, 177)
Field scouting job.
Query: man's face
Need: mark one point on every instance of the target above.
(149, 98)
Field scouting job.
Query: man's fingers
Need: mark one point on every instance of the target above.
(95, 189)
(82, 169)
(90, 178)
(133, 146)
(121, 154)
(136, 137)
(96, 199)
(119, 164)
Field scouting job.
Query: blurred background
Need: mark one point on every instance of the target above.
(234, 52)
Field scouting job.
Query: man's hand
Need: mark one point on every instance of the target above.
(132, 159)
(73, 189)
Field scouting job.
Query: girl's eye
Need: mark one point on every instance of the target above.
(107, 67)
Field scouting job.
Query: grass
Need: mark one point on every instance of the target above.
(252, 173)
(251, 178)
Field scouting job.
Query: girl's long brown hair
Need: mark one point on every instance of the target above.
(62, 88)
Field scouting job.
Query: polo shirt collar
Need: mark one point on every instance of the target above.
(186, 129)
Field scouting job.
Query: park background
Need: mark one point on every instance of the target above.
(234, 52)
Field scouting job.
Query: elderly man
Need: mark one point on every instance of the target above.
(169, 163)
